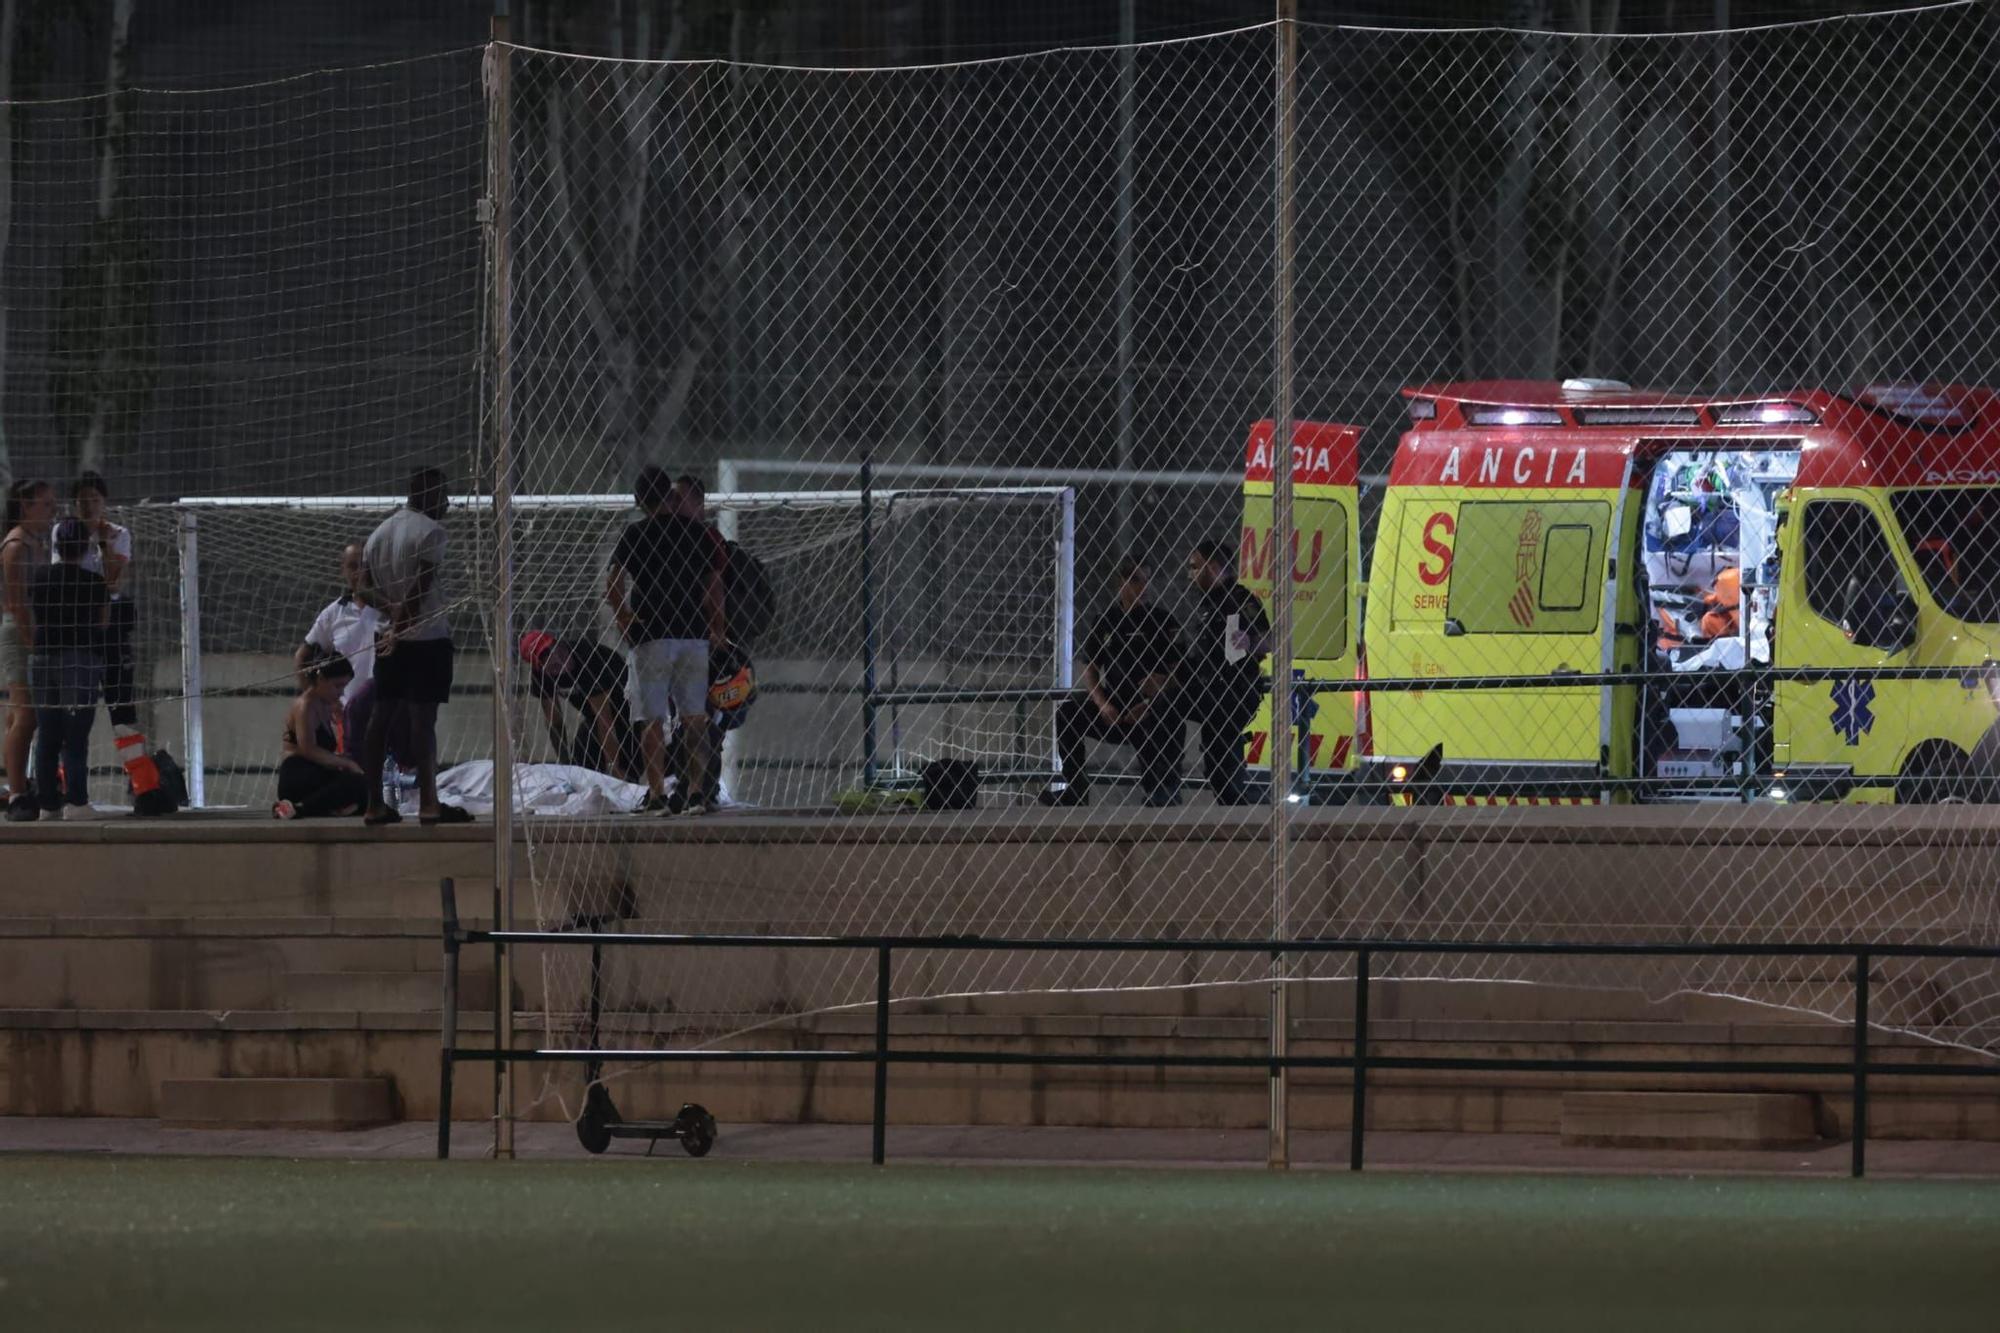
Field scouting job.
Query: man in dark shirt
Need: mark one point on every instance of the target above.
(1129, 661)
(665, 589)
(1221, 682)
(592, 678)
(71, 608)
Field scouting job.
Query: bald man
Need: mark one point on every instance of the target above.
(347, 628)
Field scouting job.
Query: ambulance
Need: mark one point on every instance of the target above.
(1745, 564)
(1324, 566)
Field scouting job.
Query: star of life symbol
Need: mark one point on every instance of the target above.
(1851, 712)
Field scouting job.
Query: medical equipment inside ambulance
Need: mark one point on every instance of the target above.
(1709, 588)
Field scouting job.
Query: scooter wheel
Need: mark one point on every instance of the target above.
(592, 1132)
(695, 1128)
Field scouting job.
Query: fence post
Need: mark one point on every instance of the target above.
(1359, 1109)
(1860, 1162)
(868, 757)
(448, 892)
(188, 531)
(498, 186)
(1287, 36)
(881, 1134)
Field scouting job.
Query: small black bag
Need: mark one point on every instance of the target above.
(170, 795)
(951, 784)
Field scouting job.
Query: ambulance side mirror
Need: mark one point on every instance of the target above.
(1880, 617)
(1453, 628)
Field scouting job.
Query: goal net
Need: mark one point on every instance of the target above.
(962, 591)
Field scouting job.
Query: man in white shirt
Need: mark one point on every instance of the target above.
(347, 627)
(413, 657)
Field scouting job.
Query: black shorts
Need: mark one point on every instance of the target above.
(418, 672)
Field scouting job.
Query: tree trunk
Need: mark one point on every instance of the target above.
(110, 170)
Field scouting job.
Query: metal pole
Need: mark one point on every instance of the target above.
(1860, 1150)
(1720, 106)
(1065, 627)
(1358, 1111)
(1127, 87)
(191, 722)
(1287, 33)
(881, 1138)
(867, 621)
(450, 1018)
(499, 88)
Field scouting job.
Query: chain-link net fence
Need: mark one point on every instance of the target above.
(979, 363)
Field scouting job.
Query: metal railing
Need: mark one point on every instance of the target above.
(1858, 1067)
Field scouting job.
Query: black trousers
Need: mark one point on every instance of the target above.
(316, 790)
(120, 671)
(1157, 738)
(1223, 708)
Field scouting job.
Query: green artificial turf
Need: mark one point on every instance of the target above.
(100, 1243)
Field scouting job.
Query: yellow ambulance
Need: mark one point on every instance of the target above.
(1323, 563)
(1797, 596)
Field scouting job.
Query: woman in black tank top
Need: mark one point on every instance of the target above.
(314, 778)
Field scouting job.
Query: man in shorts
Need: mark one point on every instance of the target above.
(413, 657)
(665, 590)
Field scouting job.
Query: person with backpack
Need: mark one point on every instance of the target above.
(69, 609)
(665, 592)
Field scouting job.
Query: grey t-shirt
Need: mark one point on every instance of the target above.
(397, 552)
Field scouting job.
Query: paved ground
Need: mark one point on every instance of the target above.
(949, 1145)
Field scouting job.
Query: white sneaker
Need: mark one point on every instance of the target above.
(82, 812)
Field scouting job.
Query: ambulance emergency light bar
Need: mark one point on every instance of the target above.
(1515, 403)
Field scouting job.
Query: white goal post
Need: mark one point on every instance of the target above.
(982, 602)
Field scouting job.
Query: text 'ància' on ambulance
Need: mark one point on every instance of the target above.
(1786, 597)
(1324, 564)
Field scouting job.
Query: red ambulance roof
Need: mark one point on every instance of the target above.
(1324, 453)
(1557, 436)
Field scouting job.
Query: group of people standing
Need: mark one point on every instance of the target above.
(373, 671)
(1144, 683)
(377, 663)
(66, 630)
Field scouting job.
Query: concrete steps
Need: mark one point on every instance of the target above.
(277, 1103)
(1688, 1119)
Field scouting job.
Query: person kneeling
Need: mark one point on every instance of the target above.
(314, 778)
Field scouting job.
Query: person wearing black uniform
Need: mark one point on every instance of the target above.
(1221, 681)
(592, 678)
(1130, 658)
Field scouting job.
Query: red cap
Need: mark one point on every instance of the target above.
(535, 645)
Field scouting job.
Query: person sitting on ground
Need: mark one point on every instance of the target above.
(592, 677)
(69, 609)
(314, 779)
(1130, 659)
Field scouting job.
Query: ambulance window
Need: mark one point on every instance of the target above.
(1528, 568)
(1844, 542)
(1566, 568)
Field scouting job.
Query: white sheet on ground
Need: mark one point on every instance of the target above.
(539, 789)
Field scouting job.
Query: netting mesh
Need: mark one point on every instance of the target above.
(985, 336)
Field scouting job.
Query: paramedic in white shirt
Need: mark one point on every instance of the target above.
(347, 628)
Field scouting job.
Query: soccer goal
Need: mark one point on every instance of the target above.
(906, 625)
